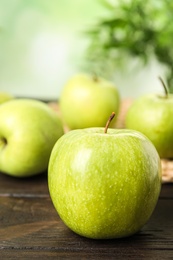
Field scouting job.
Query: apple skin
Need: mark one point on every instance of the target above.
(104, 185)
(4, 97)
(152, 115)
(87, 101)
(28, 132)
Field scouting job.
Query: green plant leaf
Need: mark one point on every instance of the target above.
(138, 28)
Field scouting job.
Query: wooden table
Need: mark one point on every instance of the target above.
(31, 229)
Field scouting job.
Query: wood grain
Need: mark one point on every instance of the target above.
(30, 228)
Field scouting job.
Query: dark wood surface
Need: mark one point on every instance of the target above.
(31, 229)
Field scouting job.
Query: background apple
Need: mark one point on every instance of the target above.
(28, 131)
(153, 116)
(104, 185)
(88, 101)
(4, 96)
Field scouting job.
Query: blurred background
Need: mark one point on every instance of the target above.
(44, 42)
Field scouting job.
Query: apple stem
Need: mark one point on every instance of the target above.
(165, 87)
(3, 141)
(109, 121)
(95, 77)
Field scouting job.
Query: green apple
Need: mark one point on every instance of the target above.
(4, 97)
(28, 132)
(87, 101)
(152, 115)
(104, 184)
